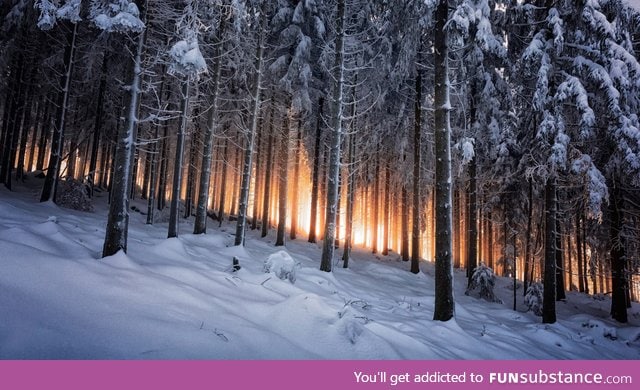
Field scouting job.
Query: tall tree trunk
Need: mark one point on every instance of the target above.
(97, 126)
(336, 139)
(387, 207)
(153, 169)
(250, 140)
(417, 159)
(444, 308)
(376, 202)
(191, 169)
(296, 184)
(283, 177)
(618, 255)
(527, 241)
(176, 184)
(472, 239)
(118, 219)
(315, 181)
(223, 183)
(404, 251)
(549, 296)
(267, 177)
(351, 193)
(12, 122)
(53, 170)
(560, 289)
(45, 131)
(257, 190)
(579, 238)
(38, 125)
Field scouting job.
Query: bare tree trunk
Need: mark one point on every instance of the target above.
(527, 241)
(176, 184)
(417, 157)
(472, 239)
(387, 207)
(336, 138)
(560, 289)
(267, 178)
(404, 251)
(51, 180)
(250, 140)
(283, 178)
(351, 193)
(153, 169)
(549, 298)
(223, 183)
(375, 198)
(97, 126)
(618, 255)
(296, 184)
(118, 219)
(444, 308)
(191, 169)
(315, 185)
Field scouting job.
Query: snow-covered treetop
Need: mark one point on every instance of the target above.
(53, 10)
(116, 16)
(186, 59)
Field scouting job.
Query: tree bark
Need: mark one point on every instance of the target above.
(315, 185)
(267, 178)
(549, 296)
(444, 304)
(618, 255)
(283, 177)
(417, 159)
(336, 138)
(250, 140)
(176, 184)
(118, 218)
(51, 180)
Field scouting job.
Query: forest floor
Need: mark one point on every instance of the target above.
(180, 299)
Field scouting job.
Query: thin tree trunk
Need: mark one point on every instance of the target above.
(417, 159)
(376, 203)
(296, 185)
(250, 140)
(351, 192)
(527, 241)
(336, 139)
(549, 296)
(267, 178)
(404, 251)
(283, 179)
(223, 182)
(315, 185)
(387, 207)
(51, 180)
(97, 126)
(560, 289)
(176, 184)
(472, 239)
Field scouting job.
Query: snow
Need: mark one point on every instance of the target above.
(118, 16)
(187, 59)
(179, 298)
(282, 265)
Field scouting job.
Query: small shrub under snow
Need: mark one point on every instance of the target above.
(73, 194)
(282, 265)
(483, 279)
(533, 298)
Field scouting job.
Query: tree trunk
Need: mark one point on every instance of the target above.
(417, 157)
(444, 305)
(296, 184)
(250, 140)
(191, 169)
(549, 296)
(404, 251)
(223, 182)
(387, 207)
(283, 178)
(53, 170)
(351, 192)
(560, 289)
(472, 239)
(97, 126)
(527, 241)
(267, 178)
(315, 185)
(376, 203)
(118, 219)
(618, 255)
(176, 184)
(336, 138)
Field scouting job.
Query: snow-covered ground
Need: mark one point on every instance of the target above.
(180, 299)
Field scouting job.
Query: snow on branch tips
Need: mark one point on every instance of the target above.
(186, 59)
(53, 10)
(116, 16)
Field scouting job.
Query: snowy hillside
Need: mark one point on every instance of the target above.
(180, 299)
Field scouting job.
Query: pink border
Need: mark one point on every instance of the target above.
(283, 375)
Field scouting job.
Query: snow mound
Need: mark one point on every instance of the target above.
(282, 265)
